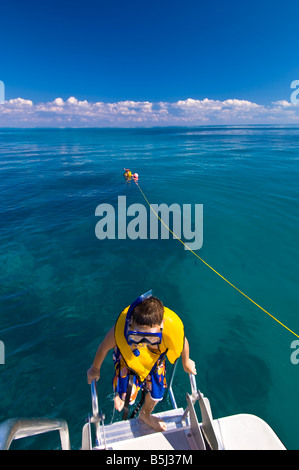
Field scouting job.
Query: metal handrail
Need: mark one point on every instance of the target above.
(170, 391)
(95, 411)
(194, 394)
(193, 384)
(18, 428)
(94, 399)
(194, 390)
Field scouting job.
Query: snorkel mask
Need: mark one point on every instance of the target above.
(135, 337)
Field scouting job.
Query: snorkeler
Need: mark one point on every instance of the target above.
(128, 175)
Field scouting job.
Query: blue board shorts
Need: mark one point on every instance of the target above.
(155, 382)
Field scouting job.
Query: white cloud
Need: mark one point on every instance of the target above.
(19, 103)
(72, 100)
(59, 101)
(73, 112)
(283, 103)
(229, 111)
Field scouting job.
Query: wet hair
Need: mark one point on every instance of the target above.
(150, 312)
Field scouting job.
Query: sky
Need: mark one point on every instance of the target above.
(143, 63)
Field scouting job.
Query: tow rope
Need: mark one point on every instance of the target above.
(214, 270)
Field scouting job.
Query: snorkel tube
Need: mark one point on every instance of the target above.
(138, 301)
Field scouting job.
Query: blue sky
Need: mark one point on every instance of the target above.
(149, 51)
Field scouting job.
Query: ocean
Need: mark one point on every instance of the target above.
(62, 288)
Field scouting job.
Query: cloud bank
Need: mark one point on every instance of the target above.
(75, 113)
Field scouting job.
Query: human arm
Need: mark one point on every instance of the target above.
(105, 346)
(188, 364)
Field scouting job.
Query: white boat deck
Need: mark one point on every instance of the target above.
(135, 434)
(238, 432)
(246, 432)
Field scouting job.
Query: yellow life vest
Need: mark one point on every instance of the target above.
(172, 344)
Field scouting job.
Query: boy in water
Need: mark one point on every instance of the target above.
(143, 335)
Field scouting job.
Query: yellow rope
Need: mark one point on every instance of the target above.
(203, 261)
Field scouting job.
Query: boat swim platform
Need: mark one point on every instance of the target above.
(134, 434)
(237, 432)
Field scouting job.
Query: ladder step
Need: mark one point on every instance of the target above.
(130, 429)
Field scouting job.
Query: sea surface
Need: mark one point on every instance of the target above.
(62, 288)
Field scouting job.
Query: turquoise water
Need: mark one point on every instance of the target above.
(62, 288)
